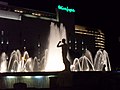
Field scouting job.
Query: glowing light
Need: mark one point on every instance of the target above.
(10, 77)
(36, 14)
(69, 47)
(27, 77)
(51, 76)
(19, 11)
(39, 45)
(82, 42)
(66, 9)
(82, 48)
(2, 42)
(38, 77)
(7, 42)
(12, 70)
(69, 41)
(75, 41)
(39, 14)
(75, 48)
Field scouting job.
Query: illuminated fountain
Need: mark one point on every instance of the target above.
(3, 62)
(51, 61)
(101, 60)
(85, 62)
(17, 62)
(54, 58)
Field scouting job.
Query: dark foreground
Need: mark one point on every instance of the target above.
(70, 80)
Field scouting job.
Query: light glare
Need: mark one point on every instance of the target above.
(10, 77)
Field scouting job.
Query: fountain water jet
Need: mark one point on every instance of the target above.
(51, 61)
(101, 59)
(82, 64)
(3, 62)
(17, 63)
(54, 58)
(85, 62)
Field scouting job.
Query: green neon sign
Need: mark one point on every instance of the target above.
(66, 9)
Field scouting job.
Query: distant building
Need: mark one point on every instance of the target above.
(12, 17)
(13, 12)
(79, 39)
(88, 38)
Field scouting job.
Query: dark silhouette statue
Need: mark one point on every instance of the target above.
(20, 86)
(64, 54)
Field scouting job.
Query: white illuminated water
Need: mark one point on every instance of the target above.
(23, 63)
(3, 62)
(52, 60)
(85, 63)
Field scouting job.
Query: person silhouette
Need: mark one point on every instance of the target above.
(64, 53)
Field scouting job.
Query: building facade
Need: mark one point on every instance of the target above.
(88, 38)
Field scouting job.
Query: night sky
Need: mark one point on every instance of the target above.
(102, 14)
(93, 13)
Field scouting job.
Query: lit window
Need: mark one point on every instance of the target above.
(2, 42)
(39, 45)
(75, 48)
(69, 47)
(69, 41)
(82, 42)
(75, 41)
(7, 42)
(82, 48)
